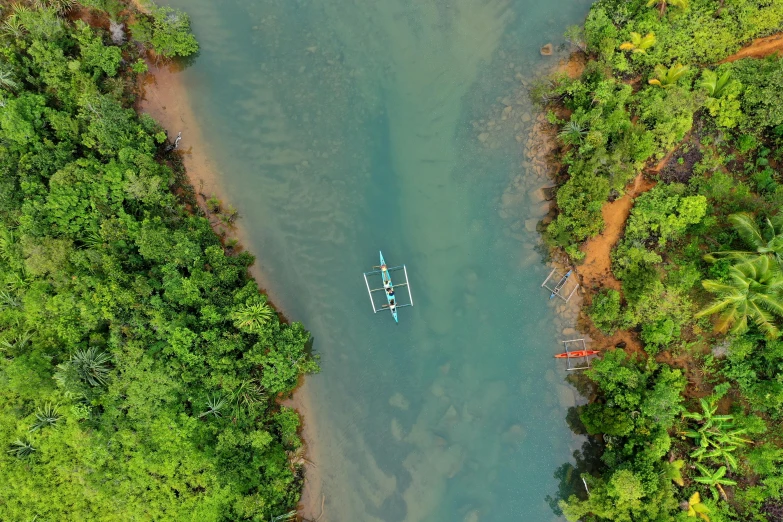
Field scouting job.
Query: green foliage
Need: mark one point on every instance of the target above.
(638, 43)
(140, 362)
(714, 479)
(604, 311)
(697, 508)
(715, 436)
(729, 128)
(168, 32)
(667, 77)
(663, 4)
(753, 292)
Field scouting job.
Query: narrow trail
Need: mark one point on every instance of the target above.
(596, 271)
(759, 48)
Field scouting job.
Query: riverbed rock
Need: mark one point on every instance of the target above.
(547, 50)
(484, 136)
(399, 401)
(472, 516)
(531, 224)
(396, 430)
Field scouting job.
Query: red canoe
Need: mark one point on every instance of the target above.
(578, 353)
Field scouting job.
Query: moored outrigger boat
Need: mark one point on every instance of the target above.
(392, 303)
(576, 353)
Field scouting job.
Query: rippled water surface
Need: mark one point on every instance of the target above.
(341, 127)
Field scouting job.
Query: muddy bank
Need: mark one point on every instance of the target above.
(166, 99)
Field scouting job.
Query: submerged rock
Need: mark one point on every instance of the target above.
(399, 401)
(547, 50)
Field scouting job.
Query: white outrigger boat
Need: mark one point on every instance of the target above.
(388, 288)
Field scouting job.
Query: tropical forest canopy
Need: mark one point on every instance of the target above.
(140, 365)
(687, 425)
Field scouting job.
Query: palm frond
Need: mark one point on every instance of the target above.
(21, 448)
(46, 416)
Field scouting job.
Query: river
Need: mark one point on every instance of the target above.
(343, 127)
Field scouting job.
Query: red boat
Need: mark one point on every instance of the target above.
(578, 353)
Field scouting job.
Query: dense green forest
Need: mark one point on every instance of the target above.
(140, 366)
(689, 427)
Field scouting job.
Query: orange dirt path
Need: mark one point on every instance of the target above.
(759, 48)
(596, 271)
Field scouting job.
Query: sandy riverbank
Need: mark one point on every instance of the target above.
(166, 100)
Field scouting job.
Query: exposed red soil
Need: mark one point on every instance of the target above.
(759, 48)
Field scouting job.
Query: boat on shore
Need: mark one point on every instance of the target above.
(577, 353)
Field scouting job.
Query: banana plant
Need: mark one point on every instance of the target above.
(715, 436)
(666, 77)
(713, 84)
(714, 480)
(639, 43)
(696, 508)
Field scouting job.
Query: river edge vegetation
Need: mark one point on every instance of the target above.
(689, 425)
(141, 367)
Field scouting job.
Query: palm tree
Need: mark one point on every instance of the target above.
(215, 403)
(753, 292)
(7, 81)
(46, 416)
(639, 43)
(91, 365)
(668, 77)
(253, 316)
(572, 133)
(13, 26)
(285, 517)
(713, 84)
(21, 448)
(248, 395)
(714, 480)
(767, 241)
(663, 4)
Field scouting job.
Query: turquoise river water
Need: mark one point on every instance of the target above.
(344, 127)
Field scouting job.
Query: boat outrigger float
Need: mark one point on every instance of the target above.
(388, 288)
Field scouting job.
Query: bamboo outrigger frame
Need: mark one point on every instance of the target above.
(559, 289)
(579, 363)
(406, 284)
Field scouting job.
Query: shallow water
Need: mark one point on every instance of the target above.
(343, 127)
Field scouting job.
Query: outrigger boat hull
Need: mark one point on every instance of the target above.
(387, 279)
(577, 353)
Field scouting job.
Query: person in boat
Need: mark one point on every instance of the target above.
(392, 304)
